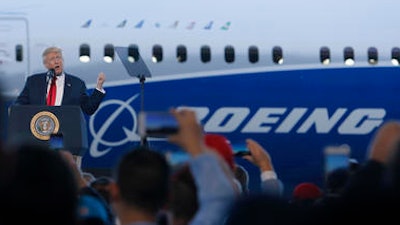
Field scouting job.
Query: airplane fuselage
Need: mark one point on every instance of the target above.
(261, 75)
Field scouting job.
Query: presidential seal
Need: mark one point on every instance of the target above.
(43, 124)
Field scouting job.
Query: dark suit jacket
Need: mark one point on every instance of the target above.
(75, 93)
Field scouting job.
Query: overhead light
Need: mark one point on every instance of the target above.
(157, 53)
(277, 55)
(325, 55)
(181, 53)
(133, 53)
(348, 56)
(396, 56)
(109, 53)
(84, 53)
(372, 55)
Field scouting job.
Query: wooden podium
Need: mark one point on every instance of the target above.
(35, 124)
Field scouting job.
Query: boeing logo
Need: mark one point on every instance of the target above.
(98, 135)
(359, 121)
(268, 119)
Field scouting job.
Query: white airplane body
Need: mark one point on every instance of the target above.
(250, 69)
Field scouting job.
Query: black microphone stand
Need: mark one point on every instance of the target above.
(142, 79)
(139, 70)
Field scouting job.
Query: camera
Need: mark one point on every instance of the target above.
(157, 124)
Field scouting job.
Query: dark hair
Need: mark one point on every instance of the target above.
(143, 179)
(183, 198)
(337, 179)
(37, 184)
(259, 209)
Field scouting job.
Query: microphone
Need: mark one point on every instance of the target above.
(50, 74)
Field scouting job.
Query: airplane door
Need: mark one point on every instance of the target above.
(14, 54)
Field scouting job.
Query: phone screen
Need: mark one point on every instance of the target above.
(56, 141)
(242, 153)
(336, 157)
(157, 124)
(176, 158)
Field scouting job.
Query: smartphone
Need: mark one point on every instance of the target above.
(336, 157)
(56, 141)
(157, 124)
(242, 153)
(177, 158)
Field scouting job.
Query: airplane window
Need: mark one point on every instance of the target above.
(396, 56)
(205, 54)
(372, 55)
(18, 53)
(181, 53)
(133, 53)
(109, 53)
(277, 55)
(253, 54)
(157, 53)
(348, 56)
(84, 53)
(229, 54)
(325, 55)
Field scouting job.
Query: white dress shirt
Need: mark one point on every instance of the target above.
(60, 89)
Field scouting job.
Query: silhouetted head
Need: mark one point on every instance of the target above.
(37, 184)
(337, 179)
(263, 209)
(183, 202)
(142, 176)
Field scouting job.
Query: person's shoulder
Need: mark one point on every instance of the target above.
(73, 77)
(36, 75)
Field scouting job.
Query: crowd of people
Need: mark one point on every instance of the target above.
(48, 187)
(43, 186)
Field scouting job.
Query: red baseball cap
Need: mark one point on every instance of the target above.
(306, 190)
(222, 145)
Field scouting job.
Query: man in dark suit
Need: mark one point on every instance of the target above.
(70, 90)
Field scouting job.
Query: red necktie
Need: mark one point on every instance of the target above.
(51, 96)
